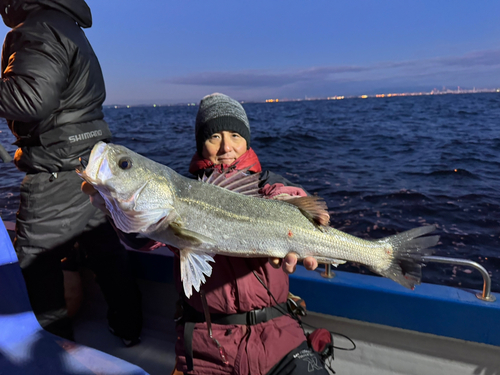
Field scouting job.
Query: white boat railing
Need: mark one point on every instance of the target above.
(484, 296)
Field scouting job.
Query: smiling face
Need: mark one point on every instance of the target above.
(224, 147)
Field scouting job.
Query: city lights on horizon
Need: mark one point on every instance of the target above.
(389, 95)
(336, 97)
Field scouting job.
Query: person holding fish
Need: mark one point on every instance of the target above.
(250, 327)
(51, 94)
(239, 288)
(233, 315)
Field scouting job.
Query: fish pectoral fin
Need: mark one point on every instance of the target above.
(313, 207)
(194, 268)
(131, 221)
(189, 235)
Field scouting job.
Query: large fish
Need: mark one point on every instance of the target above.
(222, 215)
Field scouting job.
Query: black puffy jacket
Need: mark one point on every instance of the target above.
(52, 88)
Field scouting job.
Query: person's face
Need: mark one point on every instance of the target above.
(224, 147)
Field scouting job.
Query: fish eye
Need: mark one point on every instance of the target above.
(125, 163)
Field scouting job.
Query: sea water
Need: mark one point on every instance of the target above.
(383, 165)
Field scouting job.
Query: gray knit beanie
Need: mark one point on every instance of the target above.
(218, 112)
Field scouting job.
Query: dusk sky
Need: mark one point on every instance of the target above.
(162, 51)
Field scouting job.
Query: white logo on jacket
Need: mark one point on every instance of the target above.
(84, 136)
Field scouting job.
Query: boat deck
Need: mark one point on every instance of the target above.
(155, 354)
(381, 350)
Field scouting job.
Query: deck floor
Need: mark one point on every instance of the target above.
(381, 350)
(155, 354)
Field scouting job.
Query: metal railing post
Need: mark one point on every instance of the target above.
(486, 295)
(328, 274)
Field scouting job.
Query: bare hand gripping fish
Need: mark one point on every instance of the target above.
(225, 216)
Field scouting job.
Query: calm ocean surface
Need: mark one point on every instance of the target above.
(383, 165)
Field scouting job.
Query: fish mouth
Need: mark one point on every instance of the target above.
(98, 161)
(96, 168)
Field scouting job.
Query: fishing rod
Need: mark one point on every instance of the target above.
(4, 155)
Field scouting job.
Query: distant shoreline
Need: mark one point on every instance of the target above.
(336, 97)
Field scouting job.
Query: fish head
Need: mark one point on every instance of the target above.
(136, 190)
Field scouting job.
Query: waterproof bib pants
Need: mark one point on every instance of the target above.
(53, 215)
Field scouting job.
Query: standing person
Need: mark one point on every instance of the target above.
(246, 298)
(51, 94)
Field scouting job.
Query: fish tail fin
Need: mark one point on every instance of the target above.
(194, 268)
(407, 250)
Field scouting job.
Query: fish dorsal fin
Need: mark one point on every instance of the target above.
(239, 182)
(313, 207)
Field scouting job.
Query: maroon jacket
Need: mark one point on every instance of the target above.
(233, 288)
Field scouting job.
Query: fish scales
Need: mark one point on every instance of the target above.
(288, 228)
(202, 219)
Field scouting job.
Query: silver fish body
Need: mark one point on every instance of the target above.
(203, 219)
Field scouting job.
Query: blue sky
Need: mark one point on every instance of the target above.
(162, 51)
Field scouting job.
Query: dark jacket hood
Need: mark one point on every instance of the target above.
(18, 10)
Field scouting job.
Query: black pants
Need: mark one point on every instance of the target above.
(302, 360)
(53, 215)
